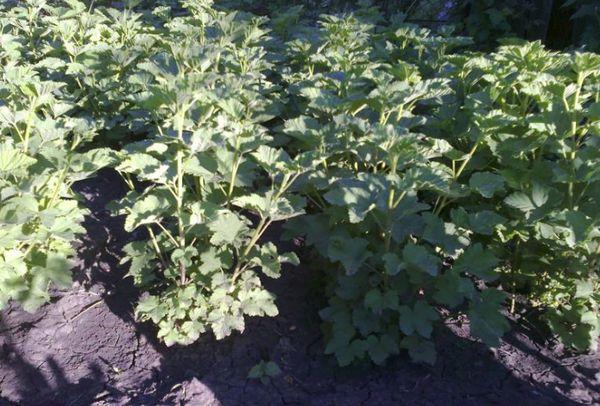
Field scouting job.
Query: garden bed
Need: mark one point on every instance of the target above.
(86, 348)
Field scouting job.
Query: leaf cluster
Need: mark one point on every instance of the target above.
(428, 181)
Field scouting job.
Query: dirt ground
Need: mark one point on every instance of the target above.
(86, 348)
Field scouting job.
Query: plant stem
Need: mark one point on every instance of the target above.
(397, 202)
(28, 125)
(61, 178)
(234, 169)
(513, 282)
(462, 167)
(384, 117)
(180, 196)
(167, 233)
(262, 226)
(572, 154)
(258, 232)
(155, 245)
(388, 228)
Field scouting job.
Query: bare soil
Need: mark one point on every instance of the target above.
(85, 348)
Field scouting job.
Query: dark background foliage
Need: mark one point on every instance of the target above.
(558, 23)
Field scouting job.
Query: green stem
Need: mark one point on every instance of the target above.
(262, 226)
(180, 196)
(234, 169)
(128, 180)
(28, 125)
(400, 113)
(258, 232)
(464, 164)
(384, 117)
(390, 207)
(199, 186)
(319, 200)
(379, 223)
(29, 249)
(572, 153)
(61, 178)
(513, 298)
(155, 245)
(286, 184)
(167, 233)
(462, 167)
(397, 202)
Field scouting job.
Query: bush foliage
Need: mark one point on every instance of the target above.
(427, 180)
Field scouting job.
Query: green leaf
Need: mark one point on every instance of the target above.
(419, 319)
(145, 166)
(418, 257)
(258, 302)
(406, 226)
(184, 256)
(224, 323)
(374, 301)
(257, 371)
(521, 201)
(479, 262)
(232, 107)
(486, 183)
(485, 221)
(584, 288)
(36, 294)
(487, 323)
(281, 209)
(380, 349)
(226, 228)
(89, 162)
(254, 202)
(580, 226)
(13, 161)
(272, 369)
(539, 194)
(445, 235)
(287, 207)
(146, 211)
(321, 99)
(452, 289)
(393, 265)
(340, 343)
(289, 258)
(351, 252)
(201, 165)
(426, 178)
(152, 308)
(269, 260)
(420, 350)
(58, 269)
(271, 159)
(264, 370)
(210, 261)
(364, 321)
(355, 195)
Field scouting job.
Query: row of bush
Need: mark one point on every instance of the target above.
(427, 180)
(558, 23)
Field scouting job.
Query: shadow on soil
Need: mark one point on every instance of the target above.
(133, 368)
(35, 387)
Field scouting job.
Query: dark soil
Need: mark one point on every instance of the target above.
(86, 348)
